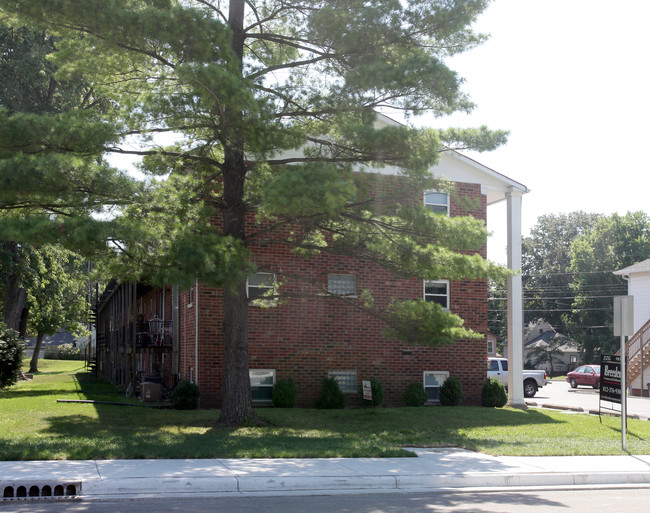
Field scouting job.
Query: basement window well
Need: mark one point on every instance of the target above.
(262, 381)
(346, 379)
(433, 380)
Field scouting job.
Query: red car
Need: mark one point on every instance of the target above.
(588, 375)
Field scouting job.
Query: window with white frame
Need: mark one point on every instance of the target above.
(342, 284)
(260, 287)
(437, 292)
(437, 202)
(433, 380)
(262, 381)
(346, 379)
(490, 346)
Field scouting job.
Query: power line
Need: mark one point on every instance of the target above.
(544, 298)
(566, 273)
(561, 310)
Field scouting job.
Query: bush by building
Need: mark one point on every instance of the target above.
(493, 394)
(451, 392)
(415, 395)
(284, 393)
(331, 397)
(185, 396)
(11, 356)
(63, 352)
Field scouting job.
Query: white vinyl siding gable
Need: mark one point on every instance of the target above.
(639, 287)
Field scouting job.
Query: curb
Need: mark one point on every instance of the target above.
(577, 409)
(333, 485)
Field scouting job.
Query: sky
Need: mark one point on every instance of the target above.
(570, 80)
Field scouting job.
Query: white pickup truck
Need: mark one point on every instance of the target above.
(533, 379)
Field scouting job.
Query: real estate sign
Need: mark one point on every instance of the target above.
(367, 389)
(610, 378)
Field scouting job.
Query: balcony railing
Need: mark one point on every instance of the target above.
(154, 333)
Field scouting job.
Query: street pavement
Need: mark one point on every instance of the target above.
(434, 469)
(559, 395)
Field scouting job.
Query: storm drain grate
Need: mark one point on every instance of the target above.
(30, 490)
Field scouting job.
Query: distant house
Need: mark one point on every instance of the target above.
(638, 350)
(562, 353)
(491, 339)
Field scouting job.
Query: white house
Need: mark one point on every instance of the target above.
(638, 348)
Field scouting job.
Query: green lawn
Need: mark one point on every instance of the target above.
(33, 425)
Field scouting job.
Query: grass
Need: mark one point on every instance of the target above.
(34, 426)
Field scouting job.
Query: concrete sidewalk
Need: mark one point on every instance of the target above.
(433, 469)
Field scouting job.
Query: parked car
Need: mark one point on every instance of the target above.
(588, 375)
(533, 379)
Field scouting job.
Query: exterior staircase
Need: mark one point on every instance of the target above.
(638, 353)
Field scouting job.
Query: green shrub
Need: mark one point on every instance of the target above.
(451, 392)
(185, 396)
(11, 356)
(377, 393)
(494, 394)
(331, 397)
(63, 352)
(284, 393)
(415, 395)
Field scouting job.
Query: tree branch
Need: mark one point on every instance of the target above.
(165, 153)
(289, 65)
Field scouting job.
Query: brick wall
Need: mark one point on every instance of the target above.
(306, 336)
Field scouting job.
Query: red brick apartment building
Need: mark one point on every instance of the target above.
(167, 334)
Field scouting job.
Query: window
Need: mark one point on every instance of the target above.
(490, 346)
(262, 381)
(438, 292)
(437, 202)
(433, 380)
(342, 284)
(346, 379)
(261, 286)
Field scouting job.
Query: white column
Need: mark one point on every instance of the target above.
(515, 303)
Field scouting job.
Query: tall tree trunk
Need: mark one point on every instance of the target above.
(236, 406)
(22, 325)
(33, 364)
(15, 296)
(13, 305)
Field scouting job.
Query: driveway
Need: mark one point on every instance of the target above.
(560, 395)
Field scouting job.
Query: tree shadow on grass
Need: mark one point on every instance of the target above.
(120, 435)
(103, 431)
(24, 394)
(407, 419)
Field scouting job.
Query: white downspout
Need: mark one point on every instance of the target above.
(515, 303)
